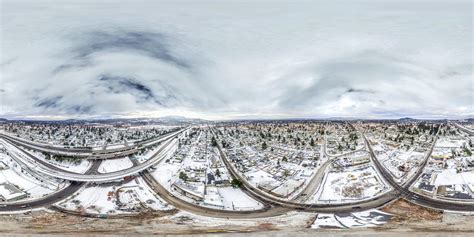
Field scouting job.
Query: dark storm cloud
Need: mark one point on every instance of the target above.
(79, 109)
(49, 102)
(55, 104)
(126, 85)
(152, 44)
(352, 90)
(87, 44)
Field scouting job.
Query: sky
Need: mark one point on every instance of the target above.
(236, 59)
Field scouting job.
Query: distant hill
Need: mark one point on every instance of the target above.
(407, 119)
(168, 120)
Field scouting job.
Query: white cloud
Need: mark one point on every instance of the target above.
(236, 59)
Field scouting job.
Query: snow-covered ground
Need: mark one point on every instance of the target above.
(151, 151)
(368, 218)
(409, 159)
(95, 136)
(166, 173)
(77, 166)
(121, 199)
(112, 165)
(450, 142)
(228, 198)
(258, 177)
(235, 199)
(402, 163)
(451, 177)
(34, 187)
(449, 173)
(352, 184)
(194, 160)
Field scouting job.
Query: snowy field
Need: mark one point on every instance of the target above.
(352, 184)
(235, 199)
(196, 167)
(216, 197)
(34, 187)
(166, 173)
(370, 218)
(451, 142)
(112, 165)
(121, 199)
(451, 177)
(79, 166)
(258, 177)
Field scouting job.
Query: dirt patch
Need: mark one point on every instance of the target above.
(411, 217)
(266, 226)
(406, 211)
(407, 217)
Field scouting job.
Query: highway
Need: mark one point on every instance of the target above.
(273, 206)
(179, 203)
(85, 153)
(464, 129)
(413, 197)
(205, 211)
(51, 198)
(266, 198)
(56, 172)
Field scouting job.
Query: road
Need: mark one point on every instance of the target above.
(273, 206)
(317, 178)
(413, 197)
(85, 153)
(314, 183)
(464, 129)
(205, 211)
(179, 203)
(266, 198)
(35, 160)
(97, 177)
(51, 198)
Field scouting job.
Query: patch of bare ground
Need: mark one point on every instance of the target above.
(412, 217)
(47, 222)
(408, 218)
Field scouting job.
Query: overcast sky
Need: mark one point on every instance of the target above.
(215, 60)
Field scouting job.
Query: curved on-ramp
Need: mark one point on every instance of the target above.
(93, 177)
(49, 199)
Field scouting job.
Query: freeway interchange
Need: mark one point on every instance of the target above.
(272, 205)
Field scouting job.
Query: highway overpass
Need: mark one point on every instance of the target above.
(165, 144)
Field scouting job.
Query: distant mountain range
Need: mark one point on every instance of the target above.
(168, 120)
(178, 120)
